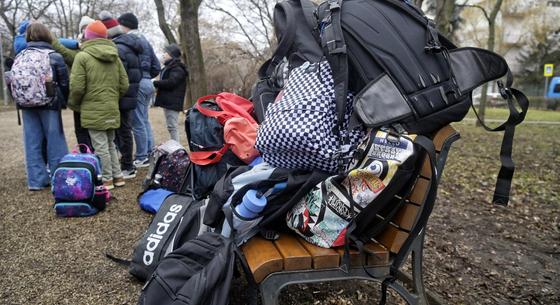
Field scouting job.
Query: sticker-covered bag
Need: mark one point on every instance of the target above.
(323, 215)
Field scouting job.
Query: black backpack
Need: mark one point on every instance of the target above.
(298, 184)
(403, 72)
(295, 44)
(178, 220)
(207, 134)
(200, 272)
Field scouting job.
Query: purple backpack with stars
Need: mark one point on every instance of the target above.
(77, 186)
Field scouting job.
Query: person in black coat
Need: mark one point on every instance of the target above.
(171, 87)
(129, 48)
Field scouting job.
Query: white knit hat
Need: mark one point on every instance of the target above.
(85, 21)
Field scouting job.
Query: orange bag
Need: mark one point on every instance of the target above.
(240, 128)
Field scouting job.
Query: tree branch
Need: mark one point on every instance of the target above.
(163, 25)
(240, 24)
(478, 7)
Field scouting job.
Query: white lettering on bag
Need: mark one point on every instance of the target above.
(154, 238)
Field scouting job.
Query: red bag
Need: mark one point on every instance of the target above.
(240, 128)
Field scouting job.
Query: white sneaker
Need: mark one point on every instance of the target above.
(141, 163)
(129, 173)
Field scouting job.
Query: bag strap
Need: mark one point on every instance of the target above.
(428, 146)
(208, 157)
(334, 45)
(308, 9)
(77, 150)
(374, 208)
(285, 44)
(231, 105)
(513, 97)
(120, 261)
(219, 115)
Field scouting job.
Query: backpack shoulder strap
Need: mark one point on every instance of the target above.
(308, 9)
(513, 97)
(334, 45)
(285, 27)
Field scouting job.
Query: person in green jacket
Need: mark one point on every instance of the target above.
(82, 135)
(97, 82)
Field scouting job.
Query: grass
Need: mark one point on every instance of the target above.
(532, 114)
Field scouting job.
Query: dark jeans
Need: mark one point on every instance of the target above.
(124, 139)
(82, 135)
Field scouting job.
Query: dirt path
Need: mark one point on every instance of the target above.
(475, 253)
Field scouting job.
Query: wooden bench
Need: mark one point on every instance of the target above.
(291, 260)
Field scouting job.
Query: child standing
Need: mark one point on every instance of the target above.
(36, 69)
(97, 81)
(170, 94)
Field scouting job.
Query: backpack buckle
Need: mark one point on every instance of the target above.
(334, 5)
(269, 234)
(333, 49)
(504, 92)
(433, 48)
(345, 148)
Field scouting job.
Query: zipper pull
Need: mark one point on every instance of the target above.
(149, 281)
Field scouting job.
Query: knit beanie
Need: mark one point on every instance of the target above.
(173, 50)
(85, 21)
(113, 27)
(95, 30)
(129, 20)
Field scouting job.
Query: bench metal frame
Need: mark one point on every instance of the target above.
(272, 285)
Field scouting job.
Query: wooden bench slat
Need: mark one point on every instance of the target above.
(262, 257)
(356, 259)
(392, 238)
(376, 254)
(442, 135)
(406, 216)
(426, 170)
(420, 191)
(322, 258)
(294, 254)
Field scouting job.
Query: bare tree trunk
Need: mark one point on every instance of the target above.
(419, 3)
(163, 25)
(190, 44)
(491, 45)
(445, 10)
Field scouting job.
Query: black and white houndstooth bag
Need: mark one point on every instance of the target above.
(301, 129)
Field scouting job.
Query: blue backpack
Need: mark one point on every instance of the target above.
(77, 186)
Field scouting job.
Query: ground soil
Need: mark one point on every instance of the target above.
(475, 253)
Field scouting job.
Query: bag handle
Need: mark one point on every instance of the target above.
(208, 157)
(231, 105)
(77, 150)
